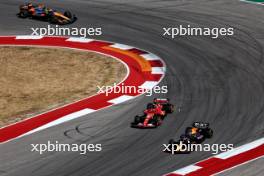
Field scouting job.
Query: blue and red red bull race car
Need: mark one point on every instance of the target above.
(196, 134)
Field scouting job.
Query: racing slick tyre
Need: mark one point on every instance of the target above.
(171, 141)
(169, 108)
(137, 119)
(23, 14)
(209, 133)
(156, 121)
(68, 14)
(53, 20)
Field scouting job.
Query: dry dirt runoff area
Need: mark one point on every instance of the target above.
(35, 80)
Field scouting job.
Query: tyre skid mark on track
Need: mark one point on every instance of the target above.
(134, 59)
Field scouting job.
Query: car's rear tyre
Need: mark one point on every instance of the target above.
(171, 141)
(209, 133)
(170, 108)
(68, 14)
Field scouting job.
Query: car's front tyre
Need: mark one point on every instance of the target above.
(23, 14)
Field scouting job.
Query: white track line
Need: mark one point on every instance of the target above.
(121, 99)
(240, 149)
(121, 46)
(34, 37)
(150, 56)
(66, 118)
(187, 170)
(158, 70)
(81, 40)
(149, 84)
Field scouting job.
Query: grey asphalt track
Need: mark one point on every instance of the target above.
(220, 81)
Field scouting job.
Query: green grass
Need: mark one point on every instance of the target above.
(257, 1)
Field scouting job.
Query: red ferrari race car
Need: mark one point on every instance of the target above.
(41, 12)
(154, 114)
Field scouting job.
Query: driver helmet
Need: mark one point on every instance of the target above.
(41, 5)
(194, 131)
(150, 106)
(30, 5)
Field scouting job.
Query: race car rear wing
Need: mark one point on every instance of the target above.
(161, 100)
(200, 125)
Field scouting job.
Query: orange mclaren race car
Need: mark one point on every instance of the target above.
(154, 114)
(41, 12)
